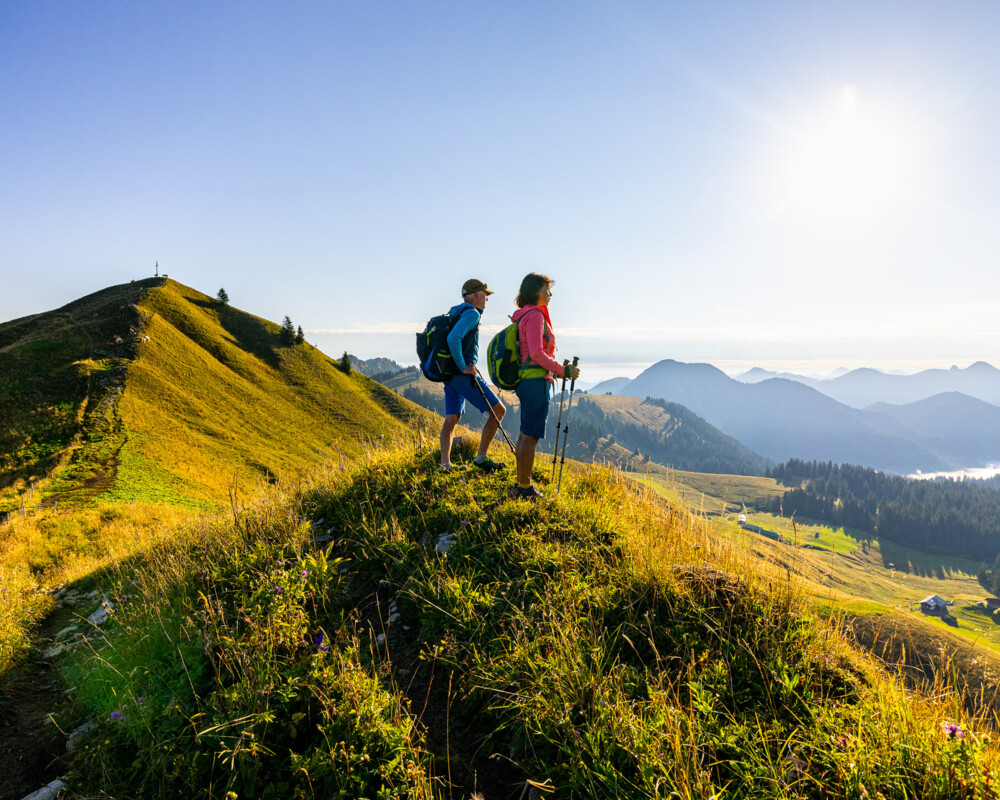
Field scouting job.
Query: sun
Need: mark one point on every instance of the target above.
(846, 163)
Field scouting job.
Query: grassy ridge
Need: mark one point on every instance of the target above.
(215, 393)
(211, 397)
(324, 644)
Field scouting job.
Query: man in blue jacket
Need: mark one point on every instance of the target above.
(463, 343)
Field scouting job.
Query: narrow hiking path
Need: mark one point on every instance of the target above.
(32, 748)
(37, 718)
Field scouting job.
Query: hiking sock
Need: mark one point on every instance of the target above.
(479, 459)
(524, 485)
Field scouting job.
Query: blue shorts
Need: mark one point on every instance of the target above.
(534, 396)
(461, 388)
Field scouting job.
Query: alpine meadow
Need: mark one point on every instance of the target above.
(231, 568)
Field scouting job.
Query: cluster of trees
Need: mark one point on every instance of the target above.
(943, 516)
(289, 334)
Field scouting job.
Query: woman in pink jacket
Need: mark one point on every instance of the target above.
(537, 343)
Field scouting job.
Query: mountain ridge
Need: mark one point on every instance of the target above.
(155, 390)
(782, 418)
(864, 386)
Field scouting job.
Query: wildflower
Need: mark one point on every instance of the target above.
(117, 716)
(319, 644)
(465, 522)
(842, 742)
(140, 700)
(952, 731)
(305, 572)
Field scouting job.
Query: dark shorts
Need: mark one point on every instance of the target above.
(534, 396)
(461, 388)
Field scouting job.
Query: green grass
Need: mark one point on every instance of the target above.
(52, 548)
(604, 645)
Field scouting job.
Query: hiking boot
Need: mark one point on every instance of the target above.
(531, 493)
(488, 465)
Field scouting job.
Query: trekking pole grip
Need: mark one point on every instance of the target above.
(576, 360)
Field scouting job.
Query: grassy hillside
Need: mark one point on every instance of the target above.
(667, 433)
(711, 494)
(876, 586)
(60, 374)
(197, 397)
(391, 632)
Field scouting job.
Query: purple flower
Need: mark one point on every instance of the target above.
(952, 731)
(319, 644)
(842, 742)
(140, 700)
(117, 716)
(465, 522)
(305, 572)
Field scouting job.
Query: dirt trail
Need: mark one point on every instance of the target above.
(32, 748)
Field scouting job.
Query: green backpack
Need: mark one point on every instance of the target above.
(503, 357)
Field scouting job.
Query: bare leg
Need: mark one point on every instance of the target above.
(490, 428)
(447, 434)
(524, 454)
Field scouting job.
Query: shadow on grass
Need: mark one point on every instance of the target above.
(254, 335)
(926, 565)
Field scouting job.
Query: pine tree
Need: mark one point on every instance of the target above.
(300, 337)
(345, 363)
(287, 331)
(223, 297)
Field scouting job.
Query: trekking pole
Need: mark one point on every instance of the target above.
(555, 448)
(569, 411)
(493, 414)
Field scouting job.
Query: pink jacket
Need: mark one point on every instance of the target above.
(536, 339)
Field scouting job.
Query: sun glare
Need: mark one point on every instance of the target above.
(849, 163)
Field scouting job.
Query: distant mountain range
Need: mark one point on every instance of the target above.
(861, 388)
(782, 418)
(375, 366)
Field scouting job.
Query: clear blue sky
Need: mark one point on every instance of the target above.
(794, 184)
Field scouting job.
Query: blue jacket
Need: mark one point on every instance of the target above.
(463, 341)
